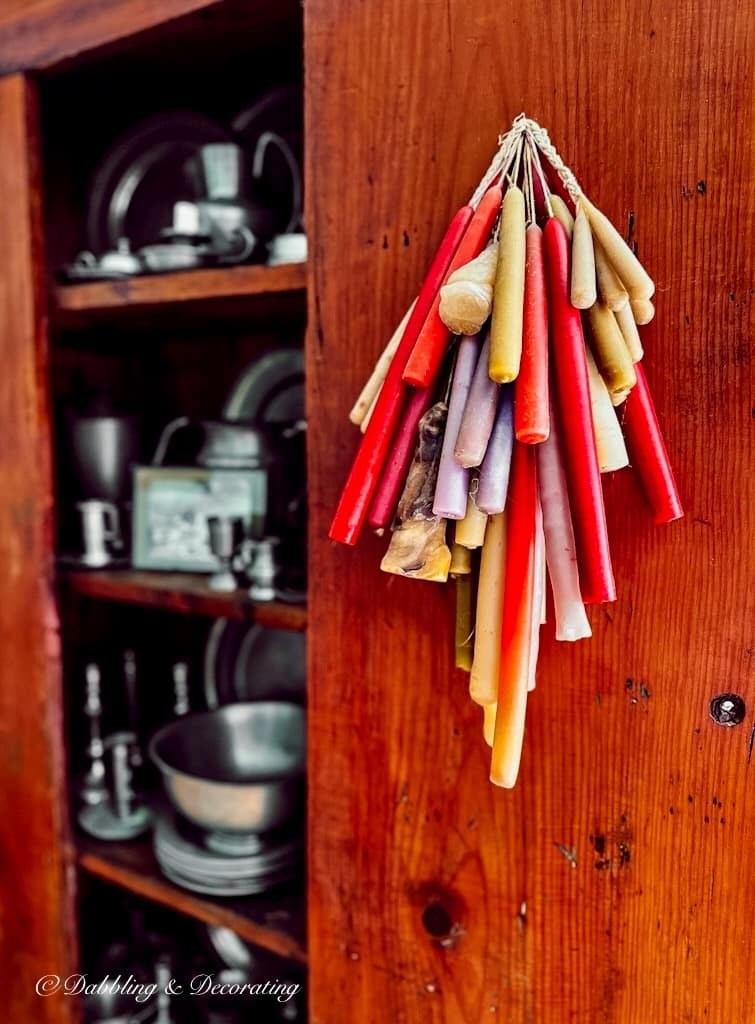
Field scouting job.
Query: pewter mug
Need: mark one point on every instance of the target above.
(100, 531)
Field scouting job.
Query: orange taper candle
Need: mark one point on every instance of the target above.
(518, 610)
(427, 355)
(531, 413)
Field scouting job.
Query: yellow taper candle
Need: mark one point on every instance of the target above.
(461, 561)
(508, 295)
(562, 212)
(463, 645)
(483, 681)
(470, 531)
(610, 351)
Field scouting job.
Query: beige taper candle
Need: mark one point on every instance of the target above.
(636, 279)
(628, 327)
(583, 288)
(371, 389)
(609, 440)
(610, 287)
(643, 311)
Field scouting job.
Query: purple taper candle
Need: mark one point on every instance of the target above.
(479, 414)
(494, 472)
(452, 487)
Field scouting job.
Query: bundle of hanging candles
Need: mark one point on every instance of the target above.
(492, 413)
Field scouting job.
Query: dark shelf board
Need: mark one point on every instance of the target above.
(216, 292)
(275, 921)
(184, 593)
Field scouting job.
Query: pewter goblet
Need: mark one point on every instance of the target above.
(226, 534)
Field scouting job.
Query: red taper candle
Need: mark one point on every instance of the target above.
(427, 356)
(365, 471)
(557, 186)
(575, 415)
(647, 452)
(531, 416)
(521, 511)
(538, 192)
(396, 468)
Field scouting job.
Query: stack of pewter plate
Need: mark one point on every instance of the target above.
(220, 865)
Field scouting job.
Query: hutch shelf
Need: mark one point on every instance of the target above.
(274, 921)
(184, 593)
(217, 292)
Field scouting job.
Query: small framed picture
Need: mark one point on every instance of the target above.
(172, 506)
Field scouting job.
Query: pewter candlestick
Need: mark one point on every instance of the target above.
(263, 570)
(130, 679)
(181, 704)
(93, 790)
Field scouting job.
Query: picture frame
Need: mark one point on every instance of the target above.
(173, 503)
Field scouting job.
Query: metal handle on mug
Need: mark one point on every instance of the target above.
(111, 524)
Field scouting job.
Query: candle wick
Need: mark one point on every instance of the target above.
(541, 175)
(519, 151)
(530, 186)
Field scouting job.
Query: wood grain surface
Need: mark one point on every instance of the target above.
(37, 925)
(614, 885)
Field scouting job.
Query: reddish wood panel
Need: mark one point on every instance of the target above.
(46, 34)
(50, 31)
(613, 884)
(37, 924)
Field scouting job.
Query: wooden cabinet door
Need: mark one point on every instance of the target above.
(37, 924)
(615, 883)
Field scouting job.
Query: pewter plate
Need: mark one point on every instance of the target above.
(246, 888)
(244, 663)
(270, 390)
(145, 172)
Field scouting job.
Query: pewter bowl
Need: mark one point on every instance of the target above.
(237, 769)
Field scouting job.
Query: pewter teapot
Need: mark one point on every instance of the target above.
(231, 207)
(225, 444)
